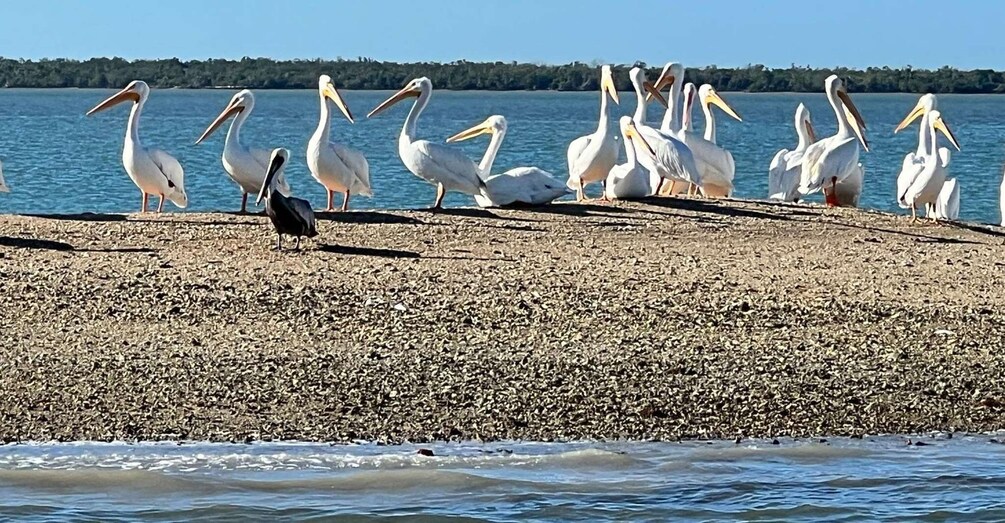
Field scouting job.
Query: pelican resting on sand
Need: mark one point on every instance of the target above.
(290, 216)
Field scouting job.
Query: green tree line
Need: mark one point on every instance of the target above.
(365, 73)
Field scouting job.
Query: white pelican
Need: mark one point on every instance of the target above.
(528, 185)
(914, 163)
(630, 179)
(592, 156)
(846, 192)
(446, 168)
(672, 75)
(245, 166)
(927, 184)
(152, 170)
(833, 159)
(783, 174)
(715, 163)
(3, 184)
(337, 167)
(673, 160)
(947, 206)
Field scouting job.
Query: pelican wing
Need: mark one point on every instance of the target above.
(947, 206)
(827, 159)
(945, 156)
(913, 165)
(3, 184)
(715, 163)
(576, 160)
(673, 158)
(356, 163)
(529, 185)
(174, 174)
(441, 164)
(776, 173)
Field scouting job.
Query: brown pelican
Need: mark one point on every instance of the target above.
(291, 216)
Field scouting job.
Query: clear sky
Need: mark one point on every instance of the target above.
(853, 33)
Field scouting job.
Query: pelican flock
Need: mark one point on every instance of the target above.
(670, 160)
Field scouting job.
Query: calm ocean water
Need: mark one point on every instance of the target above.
(881, 479)
(59, 161)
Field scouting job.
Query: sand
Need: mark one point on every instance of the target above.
(667, 319)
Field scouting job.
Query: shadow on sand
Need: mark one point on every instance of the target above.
(52, 245)
(348, 250)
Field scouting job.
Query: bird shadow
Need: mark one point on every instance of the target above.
(978, 228)
(367, 217)
(710, 207)
(577, 209)
(52, 245)
(349, 250)
(83, 217)
(920, 237)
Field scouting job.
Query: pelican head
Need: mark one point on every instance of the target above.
(836, 87)
(926, 104)
(673, 74)
(277, 162)
(709, 96)
(631, 134)
(607, 83)
(494, 124)
(327, 91)
(242, 101)
(643, 86)
(135, 92)
(413, 89)
(938, 124)
(803, 120)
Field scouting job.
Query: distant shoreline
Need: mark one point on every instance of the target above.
(369, 74)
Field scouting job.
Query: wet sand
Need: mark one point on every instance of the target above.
(666, 319)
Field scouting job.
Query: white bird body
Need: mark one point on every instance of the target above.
(245, 166)
(152, 170)
(446, 168)
(630, 179)
(926, 185)
(831, 160)
(783, 174)
(591, 157)
(3, 184)
(915, 162)
(947, 206)
(339, 168)
(715, 162)
(526, 185)
(845, 193)
(673, 159)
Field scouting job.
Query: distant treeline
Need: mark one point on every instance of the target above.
(365, 73)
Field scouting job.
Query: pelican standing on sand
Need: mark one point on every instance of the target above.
(715, 163)
(337, 167)
(446, 168)
(833, 159)
(783, 174)
(630, 179)
(528, 185)
(152, 170)
(244, 165)
(674, 161)
(846, 192)
(591, 157)
(290, 216)
(915, 162)
(928, 183)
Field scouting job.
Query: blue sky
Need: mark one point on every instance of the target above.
(854, 33)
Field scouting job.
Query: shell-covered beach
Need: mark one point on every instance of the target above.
(667, 319)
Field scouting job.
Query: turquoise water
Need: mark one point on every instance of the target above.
(880, 479)
(59, 161)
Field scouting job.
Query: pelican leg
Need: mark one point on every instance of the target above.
(914, 214)
(160, 204)
(143, 207)
(244, 202)
(279, 242)
(673, 185)
(331, 197)
(603, 185)
(831, 198)
(440, 192)
(581, 193)
(659, 187)
(296, 245)
(345, 201)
